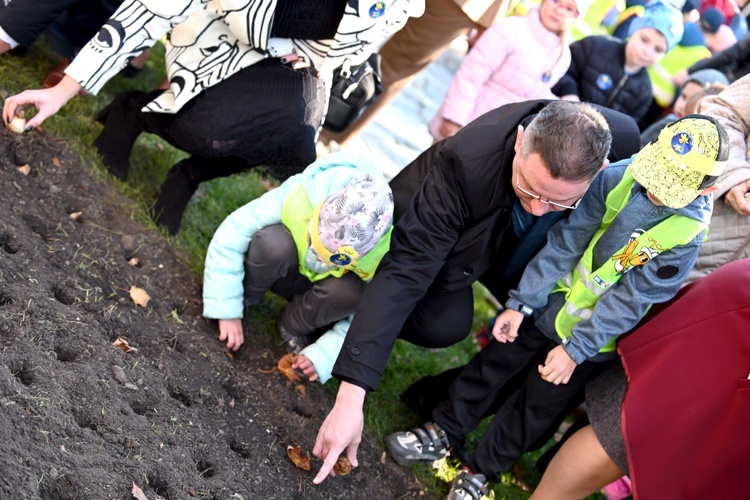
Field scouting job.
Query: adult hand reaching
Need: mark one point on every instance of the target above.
(47, 101)
(737, 198)
(341, 430)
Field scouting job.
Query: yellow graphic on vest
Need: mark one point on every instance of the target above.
(633, 256)
(585, 285)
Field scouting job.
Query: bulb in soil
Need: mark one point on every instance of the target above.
(18, 124)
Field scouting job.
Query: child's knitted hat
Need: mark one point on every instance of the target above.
(349, 223)
(673, 168)
(706, 77)
(712, 19)
(663, 18)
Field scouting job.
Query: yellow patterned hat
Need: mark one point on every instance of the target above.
(673, 167)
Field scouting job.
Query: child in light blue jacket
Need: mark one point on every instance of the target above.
(315, 241)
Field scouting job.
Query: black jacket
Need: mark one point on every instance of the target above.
(597, 75)
(451, 232)
(733, 62)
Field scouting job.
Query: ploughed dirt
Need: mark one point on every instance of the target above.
(179, 418)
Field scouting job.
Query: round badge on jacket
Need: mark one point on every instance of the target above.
(377, 9)
(604, 82)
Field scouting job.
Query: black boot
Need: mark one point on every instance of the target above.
(183, 180)
(122, 126)
(174, 196)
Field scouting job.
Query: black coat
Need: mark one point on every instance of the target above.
(452, 230)
(597, 75)
(734, 62)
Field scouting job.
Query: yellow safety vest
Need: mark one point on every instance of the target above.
(583, 287)
(662, 74)
(296, 214)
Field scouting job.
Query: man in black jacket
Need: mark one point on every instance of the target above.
(481, 204)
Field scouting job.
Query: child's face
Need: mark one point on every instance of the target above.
(686, 93)
(558, 16)
(653, 199)
(644, 48)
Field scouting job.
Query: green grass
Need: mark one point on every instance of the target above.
(151, 159)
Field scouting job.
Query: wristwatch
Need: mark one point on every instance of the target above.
(524, 309)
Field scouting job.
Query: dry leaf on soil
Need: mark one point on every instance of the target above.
(294, 454)
(139, 296)
(285, 367)
(301, 390)
(124, 345)
(75, 215)
(138, 493)
(56, 161)
(134, 261)
(24, 169)
(343, 467)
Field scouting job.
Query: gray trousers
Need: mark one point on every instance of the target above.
(271, 264)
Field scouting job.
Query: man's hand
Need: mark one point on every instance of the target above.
(231, 331)
(558, 367)
(342, 430)
(308, 368)
(47, 101)
(506, 326)
(449, 128)
(736, 198)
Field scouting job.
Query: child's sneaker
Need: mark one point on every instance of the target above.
(294, 343)
(468, 485)
(421, 444)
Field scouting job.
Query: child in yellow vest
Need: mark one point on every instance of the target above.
(315, 241)
(630, 243)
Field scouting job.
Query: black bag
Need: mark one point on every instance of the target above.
(352, 90)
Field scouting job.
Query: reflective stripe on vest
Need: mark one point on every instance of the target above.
(662, 73)
(296, 214)
(583, 288)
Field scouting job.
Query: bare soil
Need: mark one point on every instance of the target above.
(180, 418)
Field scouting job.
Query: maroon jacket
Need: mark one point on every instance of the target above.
(686, 413)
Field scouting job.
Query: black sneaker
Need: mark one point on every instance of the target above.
(468, 485)
(421, 444)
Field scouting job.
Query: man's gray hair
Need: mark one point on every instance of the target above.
(572, 139)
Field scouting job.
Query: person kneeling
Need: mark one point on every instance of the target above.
(315, 241)
(631, 243)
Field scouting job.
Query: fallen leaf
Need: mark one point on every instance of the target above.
(133, 262)
(382, 459)
(124, 345)
(56, 162)
(301, 390)
(139, 296)
(24, 169)
(229, 354)
(138, 493)
(293, 452)
(343, 467)
(75, 215)
(285, 367)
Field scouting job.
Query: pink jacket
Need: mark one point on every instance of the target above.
(516, 59)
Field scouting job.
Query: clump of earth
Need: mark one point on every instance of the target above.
(179, 417)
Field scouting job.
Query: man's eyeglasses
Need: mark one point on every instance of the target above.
(564, 9)
(556, 205)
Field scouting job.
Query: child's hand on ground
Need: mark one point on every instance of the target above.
(558, 367)
(506, 326)
(303, 363)
(231, 331)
